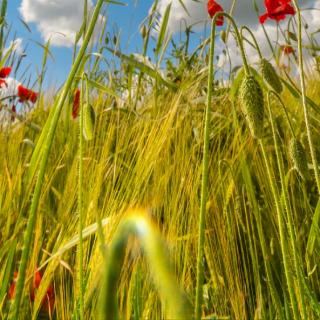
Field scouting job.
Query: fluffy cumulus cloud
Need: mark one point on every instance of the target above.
(244, 14)
(58, 20)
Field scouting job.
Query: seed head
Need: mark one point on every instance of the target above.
(299, 158)
(252, 105)
(270, 75)
(88, 121)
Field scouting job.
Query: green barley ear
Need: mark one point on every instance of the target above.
(89, 118)
(299, 158)
(252, 105)
(270, 75)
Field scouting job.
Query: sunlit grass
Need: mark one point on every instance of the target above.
(150, 149)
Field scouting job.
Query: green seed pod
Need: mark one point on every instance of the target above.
(299, 158)
(223, 36)
(252, 104)
(89, 118)
(143, 31)
(270, 75)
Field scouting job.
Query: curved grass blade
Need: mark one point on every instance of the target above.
(137, 225)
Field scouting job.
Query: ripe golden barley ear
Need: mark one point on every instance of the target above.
(89, 118)
(299, 158)
(252, 105)
(270, 75)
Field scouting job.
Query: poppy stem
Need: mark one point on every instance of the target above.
(80, 201)
(204, 180)
(253, 38)
(205, 160)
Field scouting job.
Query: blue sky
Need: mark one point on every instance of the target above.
(126, 19)
(50, 16)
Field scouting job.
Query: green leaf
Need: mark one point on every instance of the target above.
(144, 68)
(184, 6)
(236, 83)
(297, 94)
(103, 88)
(25, 25)
(314, 232)
(8, 271)
(116, 2)
(163, 29)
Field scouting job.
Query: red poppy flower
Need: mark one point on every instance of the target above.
(76, 104)
(213, 8)
(49, 299)
(277, 10)
(4, 72)
(287, 49)
(12, 288)
(26, 94)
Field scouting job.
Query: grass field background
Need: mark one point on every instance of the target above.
(134, 190)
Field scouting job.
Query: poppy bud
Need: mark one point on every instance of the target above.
(89, 118)
(270, 75)
(299, 158)
(252, 105)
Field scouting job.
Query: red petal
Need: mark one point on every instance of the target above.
(277, 10)
(12, 291)
(26, 94)
(76, 104)
(263, 18)
(4, 72)
(213, 8)
(37, 279)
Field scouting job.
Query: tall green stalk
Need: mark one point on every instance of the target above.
(3, 13)
(290, 225)
(282, 231)
(43, 164)
(80, 202)
(205, 160)
(204, 182)
(256, 211)
(304, 98)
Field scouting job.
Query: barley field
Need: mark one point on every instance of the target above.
(162, 188)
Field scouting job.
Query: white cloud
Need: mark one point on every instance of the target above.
(11, 89)
(16, 46)
(58, 20)
(244, 14)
